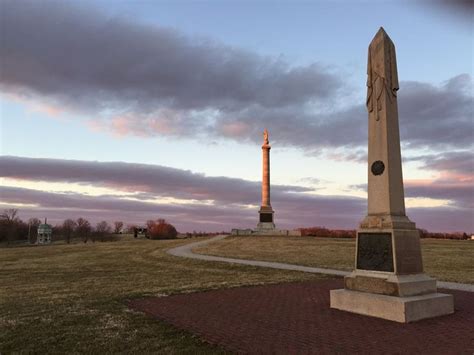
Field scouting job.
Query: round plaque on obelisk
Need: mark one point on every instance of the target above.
(377, 167)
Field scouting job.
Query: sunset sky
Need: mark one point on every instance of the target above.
(137, 110)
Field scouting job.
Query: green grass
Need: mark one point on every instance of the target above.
(447, 260)
(71, 298)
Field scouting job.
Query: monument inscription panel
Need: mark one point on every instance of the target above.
(374, 252)
(266, 217)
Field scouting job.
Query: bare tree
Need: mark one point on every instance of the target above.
(9, 225)
(83, 229)
(68, 228)
(9, 215)
(33, 224)
(101, 230)
(118, 225)
(150, 223)
(130, 228)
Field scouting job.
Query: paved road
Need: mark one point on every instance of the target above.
(185, 251)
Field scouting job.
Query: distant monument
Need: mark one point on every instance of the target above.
(388, 281)
(266, 212)
(266, 225)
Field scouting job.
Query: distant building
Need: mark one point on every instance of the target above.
(45, 231)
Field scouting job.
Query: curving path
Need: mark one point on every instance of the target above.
(186, 251)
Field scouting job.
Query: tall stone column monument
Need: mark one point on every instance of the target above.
(388, 280)
(266, 212)
(266, 225)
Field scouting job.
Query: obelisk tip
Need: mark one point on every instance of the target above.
(381, 35)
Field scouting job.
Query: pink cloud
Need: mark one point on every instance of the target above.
(160, 122)
(233, 129)
(36, 105)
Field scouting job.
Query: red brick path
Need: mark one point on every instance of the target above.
(296, 318)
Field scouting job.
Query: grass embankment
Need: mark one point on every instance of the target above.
(447, 260)
(70, 298)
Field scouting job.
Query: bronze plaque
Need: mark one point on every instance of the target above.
(374, 251)
(377, 167)
(266, 217)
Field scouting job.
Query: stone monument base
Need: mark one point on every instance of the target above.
(399, 298)
(277, 232)
(388, 281)
(390, 284)
(266, 227)
(398, 309)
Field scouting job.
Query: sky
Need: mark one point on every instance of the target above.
(136, 110)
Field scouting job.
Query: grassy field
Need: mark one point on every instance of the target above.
(447, 260)
(70, 298)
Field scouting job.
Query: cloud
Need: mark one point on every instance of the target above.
(461, 194)
(454, 181)
(87, 60)
(437, 116)
(291, 212)
(150, 180)
(458, 9)
(137, 79)
(58, 206)
(431, 116)
(453, 163)
(230, 198)
(215, 203)
(300, 127)
(329, 211)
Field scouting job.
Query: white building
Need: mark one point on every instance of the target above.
(45, 232)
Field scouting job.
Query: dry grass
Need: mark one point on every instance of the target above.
(447, 260)
(70, 298)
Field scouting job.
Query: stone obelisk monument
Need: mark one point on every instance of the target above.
(388, 280)
(266, 212)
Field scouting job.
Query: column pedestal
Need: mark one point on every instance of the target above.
(265, 223)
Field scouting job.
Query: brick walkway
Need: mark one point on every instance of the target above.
(296, 318)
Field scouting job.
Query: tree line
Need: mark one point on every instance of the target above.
(12, 228)
(324, 232)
